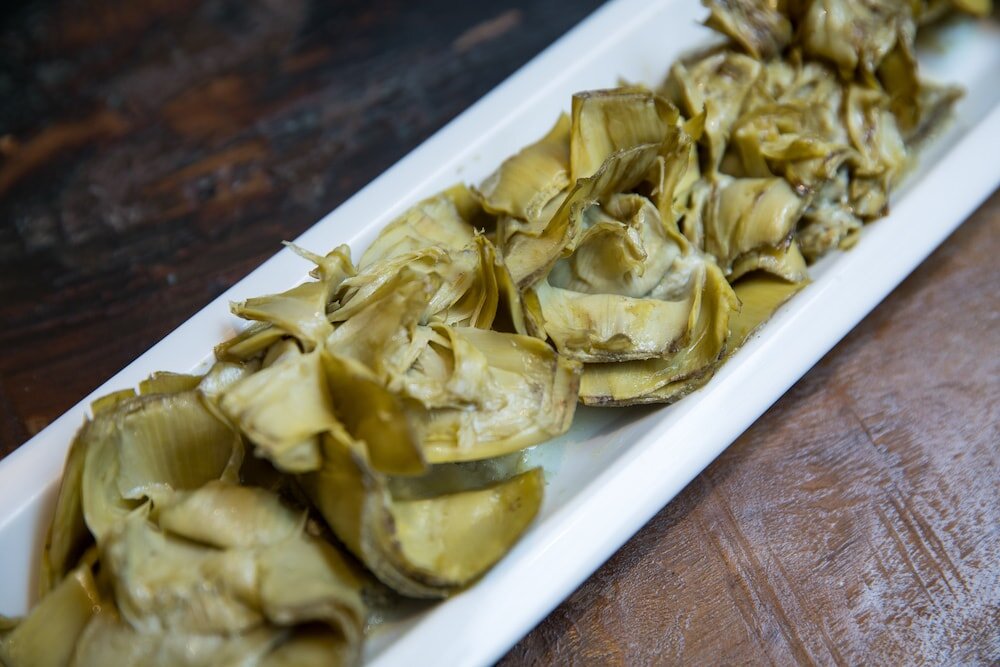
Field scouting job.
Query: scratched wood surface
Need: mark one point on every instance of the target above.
(154, 152)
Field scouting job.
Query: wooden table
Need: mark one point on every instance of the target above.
(153, 152)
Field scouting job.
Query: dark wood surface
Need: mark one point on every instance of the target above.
(153, 152)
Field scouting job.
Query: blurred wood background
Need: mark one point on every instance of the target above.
(153, 152)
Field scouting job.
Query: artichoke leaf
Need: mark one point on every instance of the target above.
(68, 536)
(855, 35)
(425, 548)
(48, 635)
(759, 28)
(760, 295)
(282, 408)
(656, 380)
(784, 261)
(300, 312)
(625, 248)
(434, 222)
(374, 416)
(610, 327)
(525, 183)
(467, 283)
(608, 121)
(275, 576)
(249, 343)
(227, 516)
(164, 382)
(530, 256)
(746, 214)
(109, 640)
(716, 85)
(529, 396)
(151, 447)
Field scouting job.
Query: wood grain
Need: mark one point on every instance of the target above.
(153, 152)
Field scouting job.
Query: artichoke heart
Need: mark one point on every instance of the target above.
(530, 254)
(665, 379)
(746, 214)
(516, 392)
(427, 547)
(150, 447)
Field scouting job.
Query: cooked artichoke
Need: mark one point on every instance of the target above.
(646, 236)
(665, 379)
(48, 636)
(747, 214)
(530, 253)
(427, 547)
(147, 448)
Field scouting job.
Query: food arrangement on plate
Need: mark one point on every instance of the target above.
(360, 440)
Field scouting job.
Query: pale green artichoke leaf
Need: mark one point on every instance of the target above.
(526, 182)
(165, 382)
(249, 343)
(935, 104)
(308, 581)
(445, 478)
(447, 372)
(625, 249)
(426, 548)
(228, 516)
(665, 379)
(530, 256)
(532, 395)
(109, 402)
(776, 140)
(467, 288)
(875, 135)
(855, 35)
(746, 214)
(151, 447)
(331, 269)
(981, 8)
(309, 648)
(784, 261)
(224, 374)
(611, 327)
(716, 85)
(165, 584)
(675, 173)
(374, 416)
(460, 536)
(274, 574)
(68, 536)
(378, 330)
(608, 121)
(47, 637)
(433, 222)
(109, 640)
(827, 224)
(758, 28)
(281, 409)
(299, 312)
(760, 295)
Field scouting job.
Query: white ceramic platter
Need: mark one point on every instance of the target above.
(615, 468)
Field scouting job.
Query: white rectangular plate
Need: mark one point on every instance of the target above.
(615, 468)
